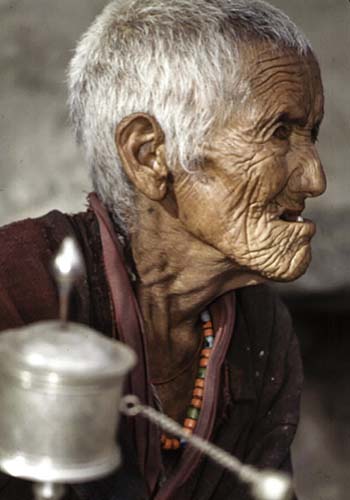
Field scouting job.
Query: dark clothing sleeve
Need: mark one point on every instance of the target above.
(28, 292)
(27, 288)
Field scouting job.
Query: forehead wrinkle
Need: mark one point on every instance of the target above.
(280, 66)
(292, 70)
(268, 59)
(281, 97)
(290, 94)
(288, 76)
(285, 93)
(295, 91)
(265, 64)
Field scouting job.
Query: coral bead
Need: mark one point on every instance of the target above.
(167, 445)
(205, 353)
(209, 332)
(193, 411)
(175, 444)
(199, 383)
(190, 423)
(203, 362)
(198, 392)
(196, 403)
(207, 324)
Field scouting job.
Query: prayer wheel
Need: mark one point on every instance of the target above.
(60, 391)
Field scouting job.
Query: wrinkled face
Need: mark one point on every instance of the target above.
(260, 168)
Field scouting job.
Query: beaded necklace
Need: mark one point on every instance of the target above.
(194, 409)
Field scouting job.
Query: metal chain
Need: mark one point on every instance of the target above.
(265, 485)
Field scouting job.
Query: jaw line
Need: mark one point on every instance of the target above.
(298, 271)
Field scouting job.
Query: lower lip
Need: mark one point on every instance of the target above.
(305, 222)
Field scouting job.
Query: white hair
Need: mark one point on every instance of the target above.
(177, 60)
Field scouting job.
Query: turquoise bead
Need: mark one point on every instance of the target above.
(209, 341)
(201, 372)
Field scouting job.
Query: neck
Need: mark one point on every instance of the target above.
(179, 276)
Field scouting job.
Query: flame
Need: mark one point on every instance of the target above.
(68, 260)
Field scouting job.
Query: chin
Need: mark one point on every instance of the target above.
(293, 269)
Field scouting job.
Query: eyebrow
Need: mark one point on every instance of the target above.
(293, 116)
(287, 117)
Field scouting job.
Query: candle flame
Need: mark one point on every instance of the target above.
(68, 261)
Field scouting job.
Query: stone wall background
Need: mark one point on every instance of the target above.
(41, 169)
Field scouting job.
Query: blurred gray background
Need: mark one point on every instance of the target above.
(41, 169)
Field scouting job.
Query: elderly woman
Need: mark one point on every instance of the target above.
(199, 120)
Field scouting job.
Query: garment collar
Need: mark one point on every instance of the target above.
(129, 324)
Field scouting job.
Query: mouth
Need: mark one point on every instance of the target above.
(295, 216)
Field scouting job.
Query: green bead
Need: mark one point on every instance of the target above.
(192, 413)
(201, 372)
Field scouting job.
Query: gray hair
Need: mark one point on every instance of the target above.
(177, 60)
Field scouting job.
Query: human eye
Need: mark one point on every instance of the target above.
(283, 132)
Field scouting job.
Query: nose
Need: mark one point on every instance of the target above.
(308, 177)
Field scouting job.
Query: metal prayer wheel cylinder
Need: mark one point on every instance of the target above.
(60, 391)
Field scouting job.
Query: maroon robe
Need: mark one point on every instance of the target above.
(251, 404)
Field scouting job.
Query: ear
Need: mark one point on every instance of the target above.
(140, 144)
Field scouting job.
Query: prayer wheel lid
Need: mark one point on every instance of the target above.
(70, 353)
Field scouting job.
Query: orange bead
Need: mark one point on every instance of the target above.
(189, 423)
(198, 392)
(196, 402)
(207, 324)
(167, 445)
(176, 444)
(205, 353)
(199, 383)
(203, 362)
(209, 332)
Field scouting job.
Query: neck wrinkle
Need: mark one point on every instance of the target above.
(179, 277)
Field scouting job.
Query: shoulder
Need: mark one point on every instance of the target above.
(31, 236)
(27, 289)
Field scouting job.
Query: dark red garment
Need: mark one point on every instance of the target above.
(129, 325)
(254, 381)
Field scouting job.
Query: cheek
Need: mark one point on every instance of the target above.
(225, 207)
(261, 176)
(207, 207)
